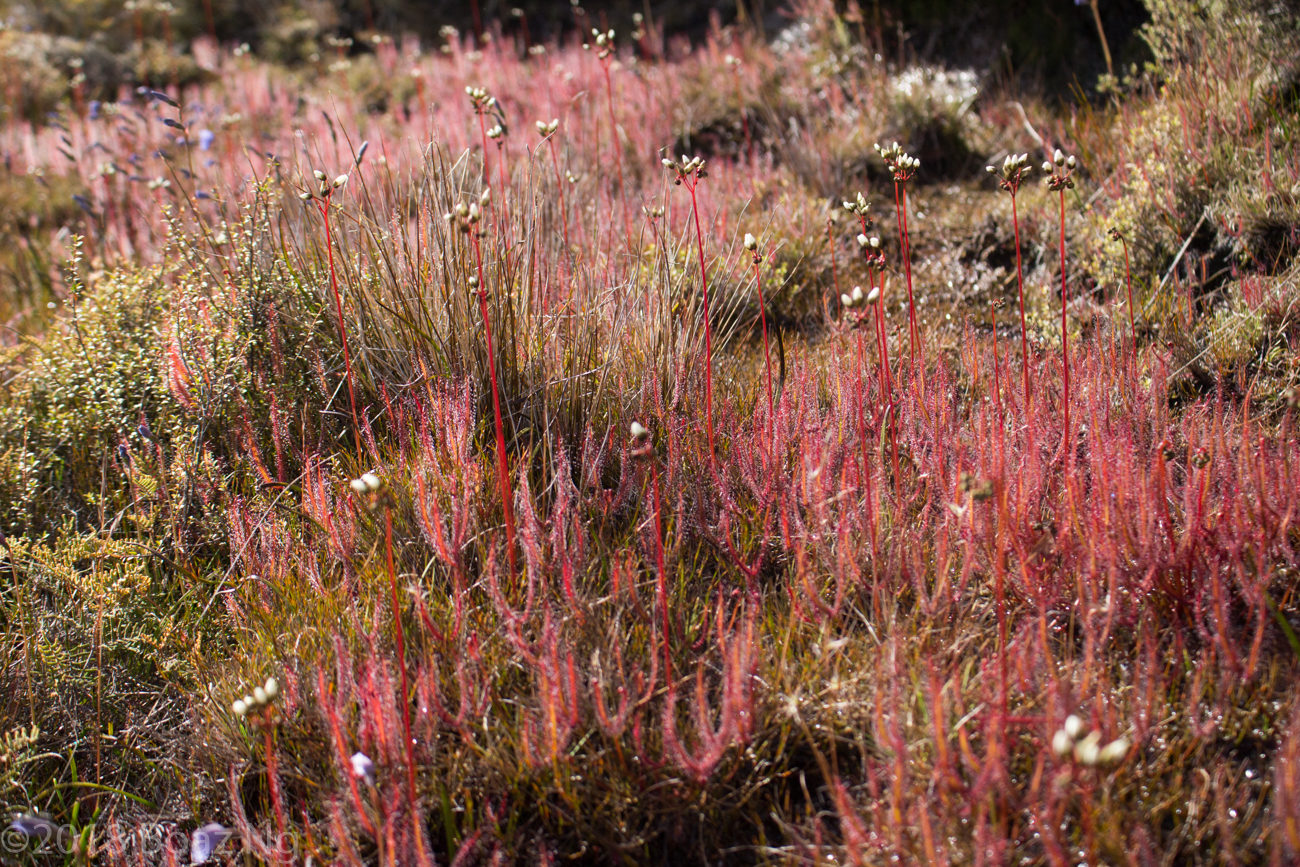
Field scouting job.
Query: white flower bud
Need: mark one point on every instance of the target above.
(846, 300)
(1073, 726)
(1062, 743)
(340, 181)
(1071, 162)
(874, 295)
(856, 295)
(272, 687)
(990, 169)
(362, 767)
(357, 486)
(639, 431)
(874, 243)
(1047, 167)
(371, 481)
(485, 197)
(863, 240)
(1113, 751)
(239, 707)
(1058, 157)
(259, 695)
(668, 164)
(751, 243)
(320, 176)
(1086, 751)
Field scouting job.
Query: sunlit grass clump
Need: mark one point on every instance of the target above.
(416, 490)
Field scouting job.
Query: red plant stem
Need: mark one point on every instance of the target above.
(343, 331)
(1065, 349)
(997, 378)
(559, 185)
(830, 240)
(1020, 288)
(708, 329)
(900, 209)
(767, 355)
(618, 148)
(662, 583)
(1128, 281)
(273, 783)
(503, 475)
(866, 463)
(401, 668)
(501, 169)
(482, 128)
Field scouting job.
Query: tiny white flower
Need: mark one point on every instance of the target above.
(362, 767)
(1073, 726)
(1086, 751)
(1113, 751)
(751, 243)
(260, 696)
(239, 707)
(371, 481)
(205, 840)
(272, 687)
(856, 295)
(1062, 743)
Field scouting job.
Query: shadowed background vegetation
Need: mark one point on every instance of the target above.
(852, 627)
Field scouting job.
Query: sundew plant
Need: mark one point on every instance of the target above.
(733, 472)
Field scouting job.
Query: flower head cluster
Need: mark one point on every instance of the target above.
(751, 244)
(482, 101)
(1014, 169)
(467, 219)
(901, 164)
(604, 43)
(1087, 750)
(859, 207)
(871, 250)
(1059, 170)
(641, 446)
(326, 186)
(372, 488)
(857, 298)
(687, 169)
(544, 129)
(257, 706)
(497, 133)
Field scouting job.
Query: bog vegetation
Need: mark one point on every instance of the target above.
(620, 452)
